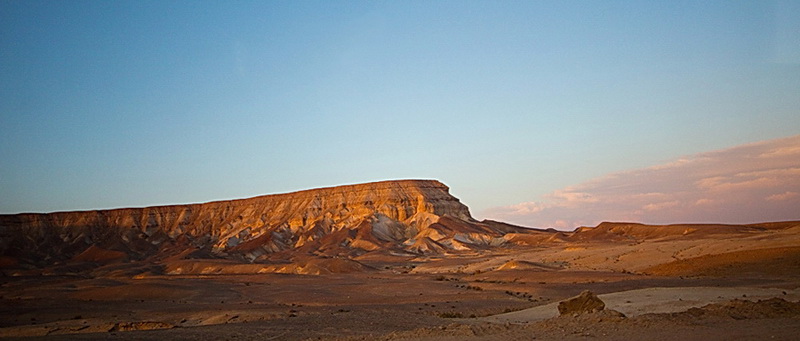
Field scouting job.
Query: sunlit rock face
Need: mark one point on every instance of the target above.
(414, 216)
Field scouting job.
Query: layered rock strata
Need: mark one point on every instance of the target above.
(414, 216)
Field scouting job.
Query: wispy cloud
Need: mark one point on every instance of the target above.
(748, 183)
(783, 196)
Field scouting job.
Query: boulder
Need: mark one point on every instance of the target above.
(586, 302)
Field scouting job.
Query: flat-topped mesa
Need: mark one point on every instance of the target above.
(399, 200)
(395, 211)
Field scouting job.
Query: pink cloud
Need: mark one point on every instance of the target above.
(704, 201)
(783, 196)
(749, 183)
(661, 205)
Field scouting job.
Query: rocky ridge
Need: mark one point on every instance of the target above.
(407, 216)
(335, 229)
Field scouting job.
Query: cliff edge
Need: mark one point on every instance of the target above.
(408, 216)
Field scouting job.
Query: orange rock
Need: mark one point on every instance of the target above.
(586, 302)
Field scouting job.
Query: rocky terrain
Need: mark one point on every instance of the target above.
(394, 260)
(405, 217)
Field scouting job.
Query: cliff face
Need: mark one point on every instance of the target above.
(416, 216)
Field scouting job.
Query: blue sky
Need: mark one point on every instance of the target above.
(134, 103)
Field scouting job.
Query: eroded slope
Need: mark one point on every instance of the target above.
(408, 216)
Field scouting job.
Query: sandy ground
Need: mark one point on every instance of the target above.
(507, 293)
(654, 301)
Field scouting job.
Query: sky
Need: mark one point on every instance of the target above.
(750, 183)
(519, 107)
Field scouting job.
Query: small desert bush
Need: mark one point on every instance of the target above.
(451, 315)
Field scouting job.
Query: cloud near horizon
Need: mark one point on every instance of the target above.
(756, 182)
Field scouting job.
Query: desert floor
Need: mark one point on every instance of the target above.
(501, 294)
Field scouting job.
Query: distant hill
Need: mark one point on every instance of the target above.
(312, 231)
(411, 217)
